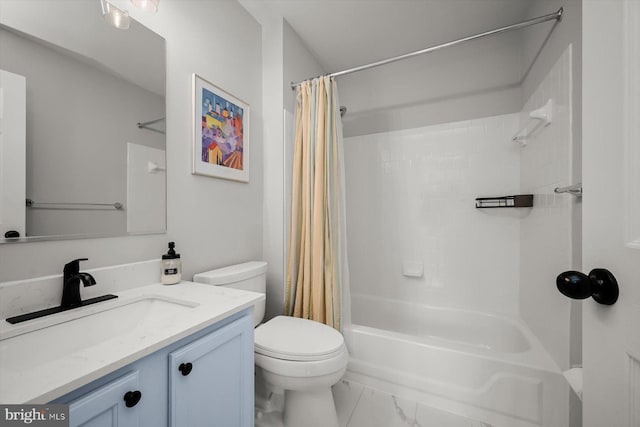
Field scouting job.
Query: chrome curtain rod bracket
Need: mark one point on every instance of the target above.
(557, 16)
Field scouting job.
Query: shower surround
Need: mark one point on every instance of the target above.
(410, 205)
(454, 306)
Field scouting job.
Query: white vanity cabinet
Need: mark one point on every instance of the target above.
(205, 379)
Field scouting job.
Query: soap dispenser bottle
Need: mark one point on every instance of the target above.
(171, 266)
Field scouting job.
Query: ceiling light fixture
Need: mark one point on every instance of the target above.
(117, 17)
(148, 5)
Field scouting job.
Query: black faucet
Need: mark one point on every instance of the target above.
(70, 293)
(71, 283)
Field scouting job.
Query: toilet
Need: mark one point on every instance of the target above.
(302, 357)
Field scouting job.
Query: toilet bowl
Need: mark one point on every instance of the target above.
(302, 357)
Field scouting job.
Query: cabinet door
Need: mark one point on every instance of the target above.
(106, 406)
(211, 379)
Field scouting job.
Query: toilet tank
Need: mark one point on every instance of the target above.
(248, 276)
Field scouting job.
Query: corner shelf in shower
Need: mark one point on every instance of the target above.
(541, 118)
(517, 201)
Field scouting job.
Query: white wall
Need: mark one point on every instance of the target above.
(214, 222)
(410, 198)
(546, 233)
(569, 31)
(67, 101)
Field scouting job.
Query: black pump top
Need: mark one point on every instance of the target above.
(172, 253)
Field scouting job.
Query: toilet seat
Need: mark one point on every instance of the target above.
(297, 358)
(296, 347)
(296, 339)
(304, 369)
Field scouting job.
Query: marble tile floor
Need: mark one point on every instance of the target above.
(361, 406)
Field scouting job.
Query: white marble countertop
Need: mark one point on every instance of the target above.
(39, 363)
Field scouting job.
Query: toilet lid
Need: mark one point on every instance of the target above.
(292, 338)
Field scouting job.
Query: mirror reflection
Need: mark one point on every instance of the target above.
(82, 140)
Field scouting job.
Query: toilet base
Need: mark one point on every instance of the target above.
(309, 408)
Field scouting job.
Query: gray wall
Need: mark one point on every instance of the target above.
(568, 31)
(214, 222)
(285, 59)
(76, 111)
(299, 64)
(273, 207)
(472, 80)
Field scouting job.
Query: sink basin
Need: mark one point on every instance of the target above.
(68, 332)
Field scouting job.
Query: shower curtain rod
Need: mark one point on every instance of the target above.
(557, 16)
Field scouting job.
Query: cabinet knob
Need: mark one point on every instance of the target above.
(131, 398)
(185, 368)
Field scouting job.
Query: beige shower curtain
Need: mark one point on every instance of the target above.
(317, 271)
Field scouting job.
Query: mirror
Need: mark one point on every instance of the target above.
(82, 111)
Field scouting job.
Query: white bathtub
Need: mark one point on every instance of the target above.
(487, 367)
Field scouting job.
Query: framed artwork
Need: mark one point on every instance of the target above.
(220, 132)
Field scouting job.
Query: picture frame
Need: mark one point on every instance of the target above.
(221, 143)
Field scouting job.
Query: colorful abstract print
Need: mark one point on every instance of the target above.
(222, 131)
